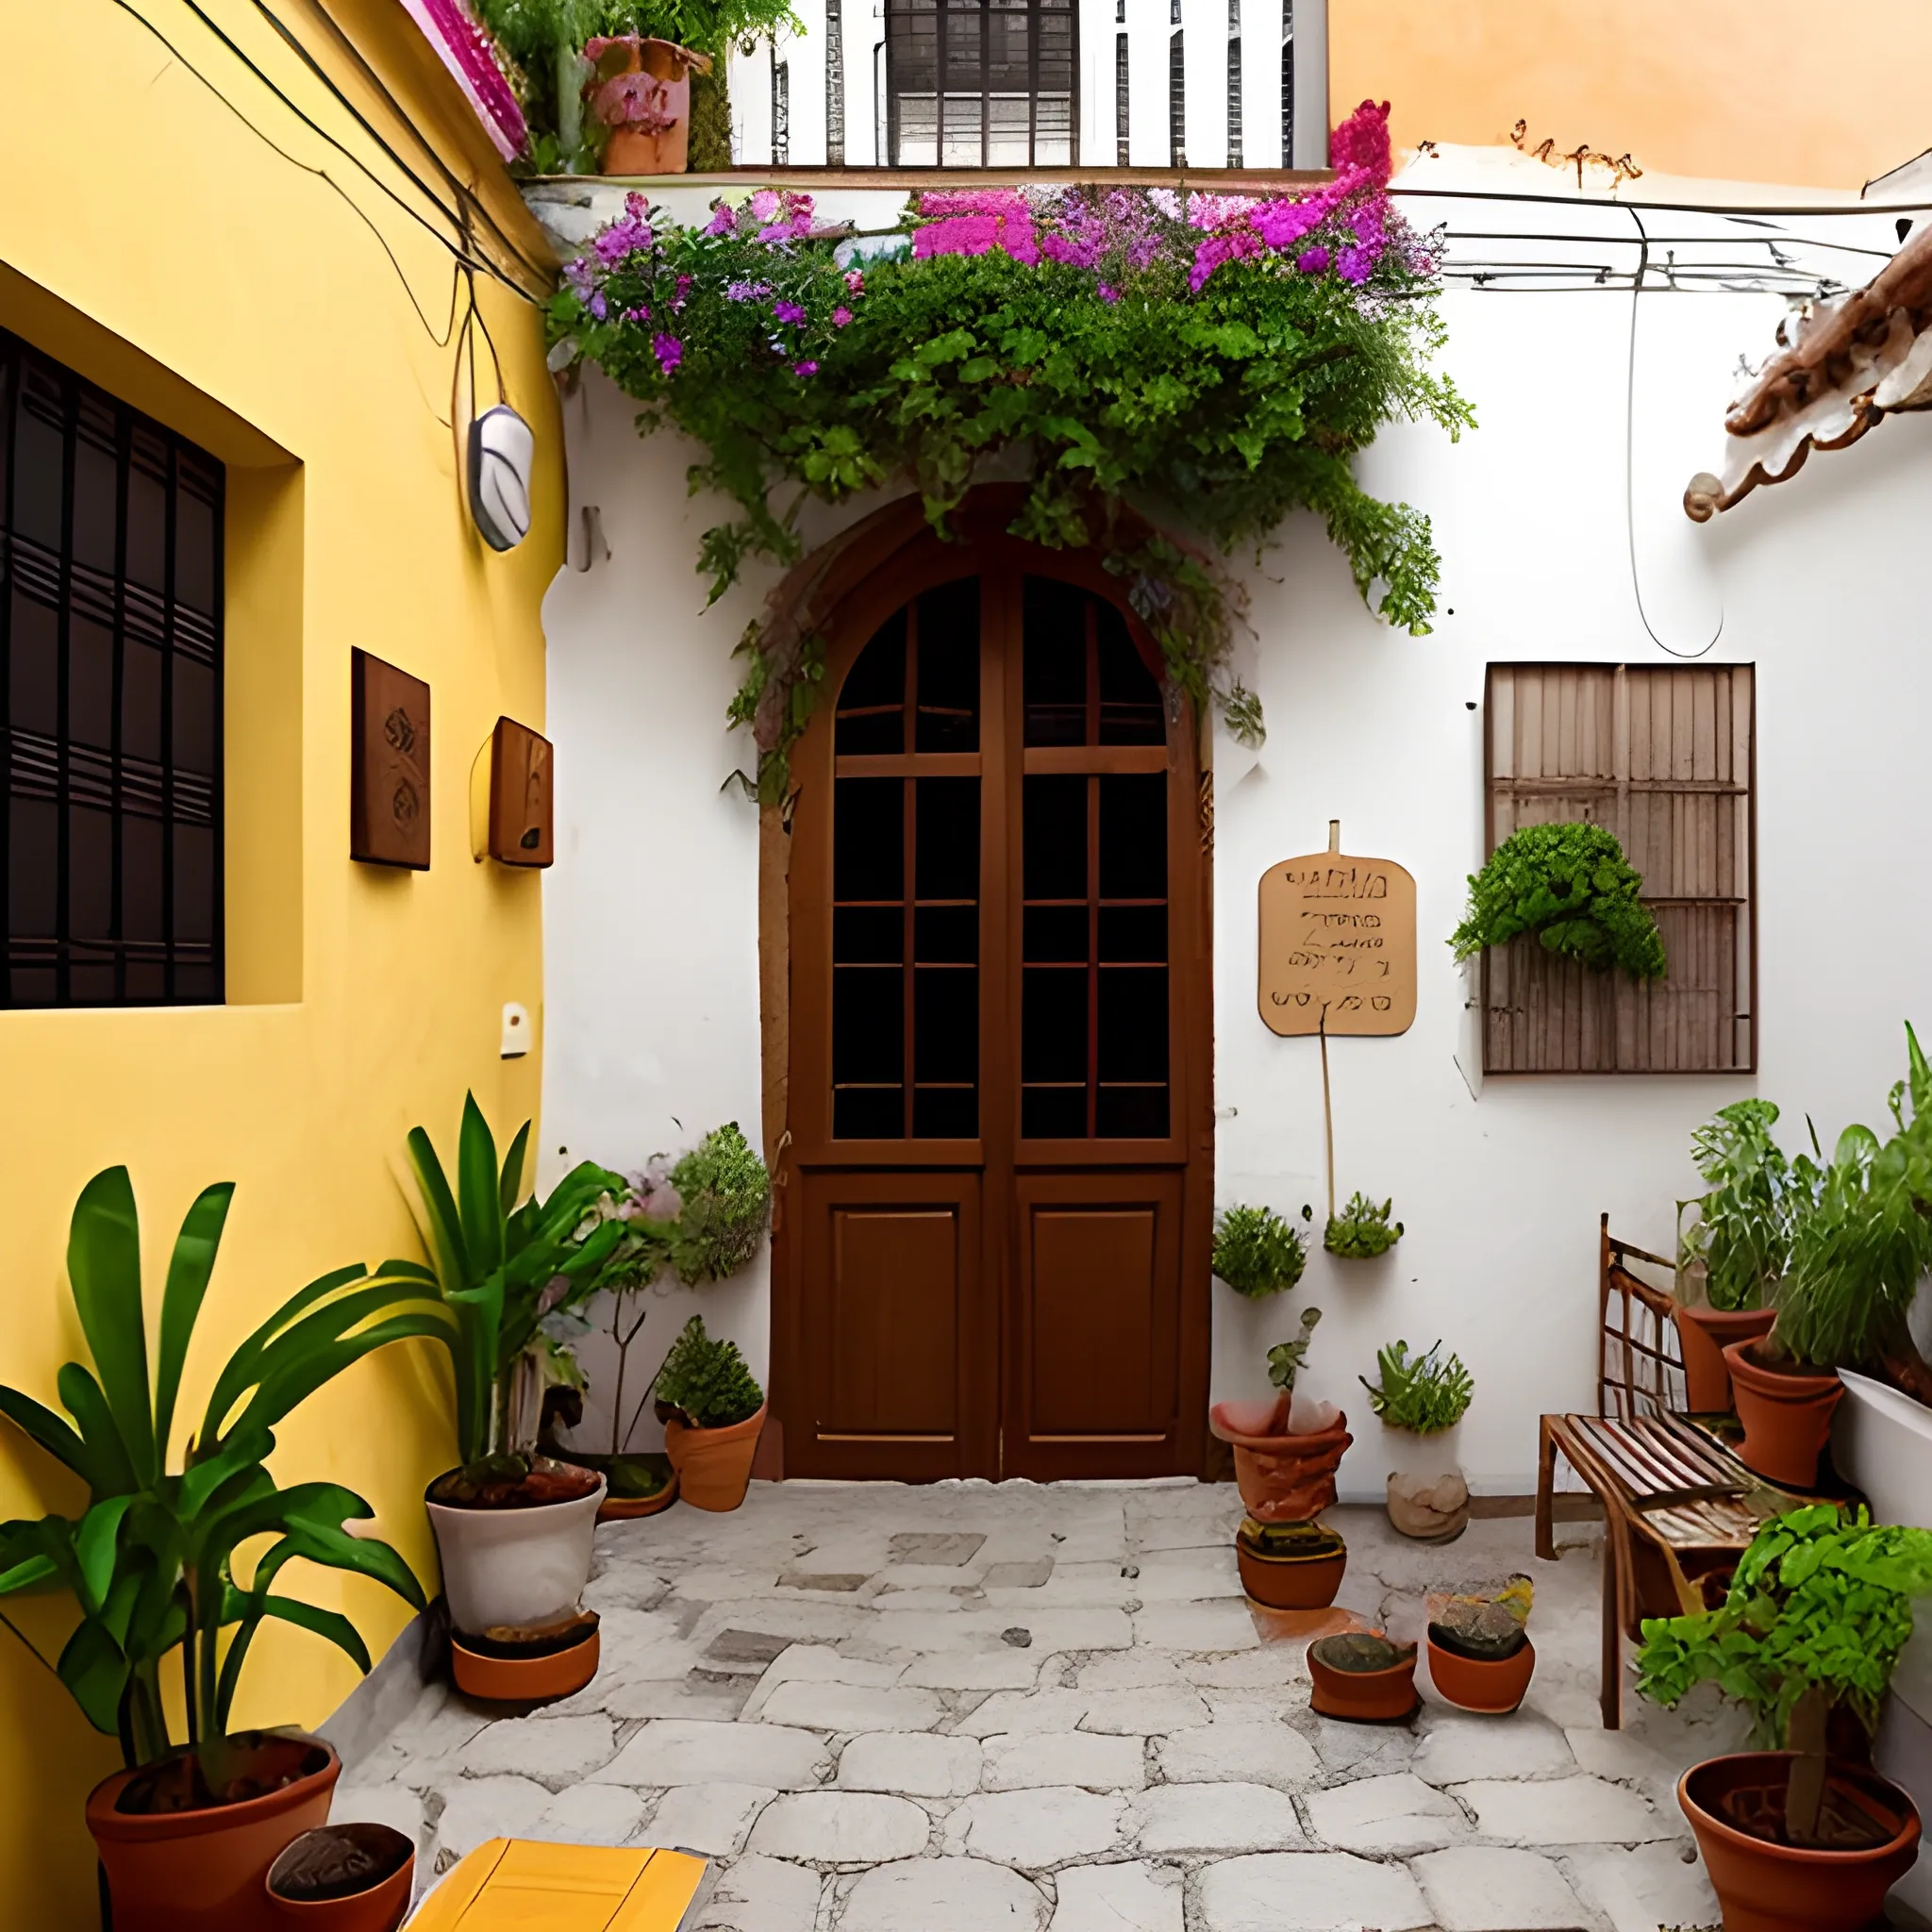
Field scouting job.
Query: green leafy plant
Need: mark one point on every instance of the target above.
(706, 1380)
(501, 1268)
(725, 1198)
(151, 1562)
(1257, 1253)
(1286, 1358)
(1573, 888)
(1426, 1393)
(1119, 352)
(1361, 1230)
(1745, 1222)
(1818, 1610)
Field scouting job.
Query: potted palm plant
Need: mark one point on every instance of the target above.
(1805, 1836)
(513, 1527)
(713, 1412)
(188, 1830)
(1425, 1396)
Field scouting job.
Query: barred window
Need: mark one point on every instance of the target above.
(1288, 83)
(981, 83)
(781, 114)
(1176, 97)
(835, 84)
(1233, 88)
(1120, 99)
(110, 698)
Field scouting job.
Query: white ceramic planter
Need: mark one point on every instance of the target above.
(515, 1566)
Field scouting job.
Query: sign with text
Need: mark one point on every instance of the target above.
(1338, 938)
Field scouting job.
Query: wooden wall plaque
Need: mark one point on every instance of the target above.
(1338, 938)
(519, 804)
(388, 764)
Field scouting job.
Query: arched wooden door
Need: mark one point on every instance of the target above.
(994, 1255)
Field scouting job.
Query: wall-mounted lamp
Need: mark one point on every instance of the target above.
(502, 451)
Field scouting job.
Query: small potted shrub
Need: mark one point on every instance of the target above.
(1257, 1253)
(1361, 1230)
(1362, 1676)
(1803, 1836)
(713, 1412)
(1426, 1396)
(1480, 1656)
(639, 88)
(1732, 1255)
(513, 1527)
(187, 1831)
(1570, 886)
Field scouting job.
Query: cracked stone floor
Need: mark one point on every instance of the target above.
(963, 1707)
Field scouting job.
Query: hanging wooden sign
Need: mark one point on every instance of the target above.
(388, 764)
(1338, 943)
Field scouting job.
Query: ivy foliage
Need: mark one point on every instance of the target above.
(1133, 359)
(1362, 1230)
(1823, 1599)
(706, 1380)
(1426, 1393)
(1257, 1253)
(1570, 886)
(725, 1197)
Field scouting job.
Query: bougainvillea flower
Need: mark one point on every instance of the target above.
(841, 316)
(669, 352)
(788, 311)
(804, 369)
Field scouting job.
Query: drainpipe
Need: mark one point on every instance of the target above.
(1310, 84)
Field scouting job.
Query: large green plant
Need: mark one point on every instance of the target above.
(1746, 1220)
(151, 1562)
(706, 1379)
(1818, 1610)
(500, 1268)
(1573, 888)
(1426, 1393)
(724, 1197)
(1257, 1253)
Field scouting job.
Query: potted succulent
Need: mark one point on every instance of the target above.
(1361, 1230)
(1804, 1836)
(1480, 1656)
(1732, 1255)
(1364, 1678)
(1257, 1253)
(1426, 1396)
(188, 1830)
(713, 1412)
(513, 1527)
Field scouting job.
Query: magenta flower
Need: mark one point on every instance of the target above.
(804, 369)
(640, 313)
(1106, 293)
(855, 282)
(669, 352)
(1311, 262)
(788, 311)
(724, 222)
(841, 316)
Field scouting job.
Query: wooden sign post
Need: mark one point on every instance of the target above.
(1338, 944)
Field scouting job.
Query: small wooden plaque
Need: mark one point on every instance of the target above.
(1337, 937)
(388, 764)
(520, 816)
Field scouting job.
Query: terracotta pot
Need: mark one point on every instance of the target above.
(666, 151)
(714, 1465)
(206, 1870)
(1299, 1581)
(1364, 1697)
(518, 1569)
(1284, 1479)
(377, 1908)
(629, 1508)
(1705, 1334)
(524, 1679)
(1479, 1684)
(1773, 1888)
(1786, 1417)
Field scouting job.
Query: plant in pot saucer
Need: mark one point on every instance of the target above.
(189, 1829)
(1362, 1230)
(713, 1412)
(1805, 1836)
(513, 1527)
(1733, 1254)
(1426, 1396)
(1480, 1656)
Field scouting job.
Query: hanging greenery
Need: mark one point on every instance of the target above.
(1217, 361)
(1572, 886)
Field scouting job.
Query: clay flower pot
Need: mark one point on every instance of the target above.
(1775, 1887)
(528, 1672)
(514, 1568)
(1705, 1334)
(642, 94)
(714, 1465)
(1787, 1416)
(1363, 1697)
(343, 1878)
(1493, 1686)
(206, 1869)
(1302, 1577)
(1282, 1479)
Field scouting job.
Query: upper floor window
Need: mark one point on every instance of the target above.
(110, 698)
(981, 83)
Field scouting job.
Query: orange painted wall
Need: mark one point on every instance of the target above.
(1738, 89)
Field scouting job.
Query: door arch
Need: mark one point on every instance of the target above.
(994, 1255)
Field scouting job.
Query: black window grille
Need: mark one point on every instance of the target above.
(1288, 83)
(1234, 83)
(981, 83)
(1176, 101)
(835, 84)
(1121, 98)
(110, 698)
(781, 114)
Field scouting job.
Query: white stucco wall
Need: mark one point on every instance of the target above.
(651, 922)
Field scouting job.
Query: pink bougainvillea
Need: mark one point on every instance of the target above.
(975, 223)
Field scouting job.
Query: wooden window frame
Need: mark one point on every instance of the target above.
(1610, 1004)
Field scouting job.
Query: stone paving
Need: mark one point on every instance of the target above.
(1025, 1708)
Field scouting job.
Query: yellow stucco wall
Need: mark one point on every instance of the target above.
(1736, 89)
(153, 240)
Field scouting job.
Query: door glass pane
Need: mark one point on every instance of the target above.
(871, 706)
(948, 700)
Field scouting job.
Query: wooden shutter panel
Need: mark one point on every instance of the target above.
(1665, 757)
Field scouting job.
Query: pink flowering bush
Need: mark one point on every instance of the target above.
(1213, 361)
